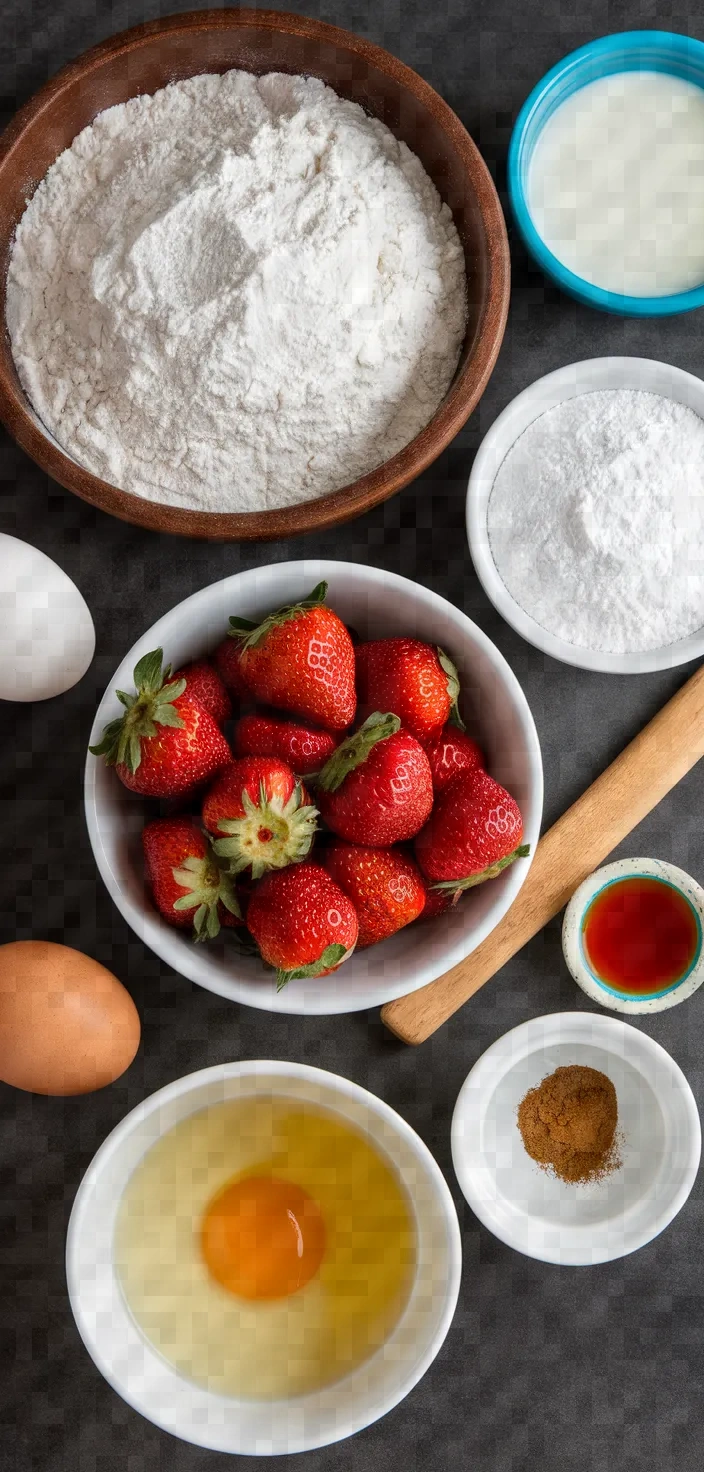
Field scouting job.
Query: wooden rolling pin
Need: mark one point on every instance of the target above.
(654, 762)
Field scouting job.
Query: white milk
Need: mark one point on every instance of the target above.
(616, 184)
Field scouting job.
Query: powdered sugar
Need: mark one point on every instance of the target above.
(596, 521)
(235, 294)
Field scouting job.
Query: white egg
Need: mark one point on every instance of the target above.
(47, 638)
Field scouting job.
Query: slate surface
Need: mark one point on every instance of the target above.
(545, 1369)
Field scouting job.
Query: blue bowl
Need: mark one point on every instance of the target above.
(627, 51)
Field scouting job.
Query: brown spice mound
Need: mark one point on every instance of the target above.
(568, 1124)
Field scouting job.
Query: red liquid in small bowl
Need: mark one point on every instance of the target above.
(640, 935)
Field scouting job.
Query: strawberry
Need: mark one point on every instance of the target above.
(166, 744)
(302, 922)
(474, 832)
(384, 886)
(376, 789)
(449, 752)
(263, 815)
(305, 749)
(414, 680)
(190, 889)
(226, 659)
(204, 682)
(437, 901)
(300, 659)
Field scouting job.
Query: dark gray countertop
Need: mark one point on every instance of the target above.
(545, 1369)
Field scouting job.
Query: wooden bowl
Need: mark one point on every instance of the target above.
(148, 57)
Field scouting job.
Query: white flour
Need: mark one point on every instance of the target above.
(235, 294)
(596, 521)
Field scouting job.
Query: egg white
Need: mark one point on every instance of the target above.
(284, 1347)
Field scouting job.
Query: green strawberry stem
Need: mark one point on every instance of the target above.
(252, 634)
(331, 957)
(355, 750)
(453, 687)
(491, 872)
(150, 706)
(271, 835)
(205, 886)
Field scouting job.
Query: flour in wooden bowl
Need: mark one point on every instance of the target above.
(236, 294)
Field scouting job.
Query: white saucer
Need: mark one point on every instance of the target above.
(660, 1142)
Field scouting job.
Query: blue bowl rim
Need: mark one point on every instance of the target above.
(639, 996)
(681, 47)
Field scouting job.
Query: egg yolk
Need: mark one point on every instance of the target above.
(262, 1237)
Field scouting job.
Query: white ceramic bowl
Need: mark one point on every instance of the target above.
(545, 1218)
(377, 604)
(573, 946)
(544, 394)
(149, 1384)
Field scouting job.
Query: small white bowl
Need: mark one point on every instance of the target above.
(222, 1423)
(524, 1206)
(567, 383)
(573, 947)
(376, 604)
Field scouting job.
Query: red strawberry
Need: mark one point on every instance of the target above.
(384, 886)
(166, 744)
(226, 659)
(376, 788)
(305, 749)
(437, 901)
(474, 832)
(302, 660)
(190, 889)
(302, 922)
(263, 814)
(449, 752)
(203, 681)
(414, 680)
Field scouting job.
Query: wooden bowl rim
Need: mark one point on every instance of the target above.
(379, 484)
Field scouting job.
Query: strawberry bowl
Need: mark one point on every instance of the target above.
(376, 604)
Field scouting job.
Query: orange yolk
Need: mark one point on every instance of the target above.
(263, 1238)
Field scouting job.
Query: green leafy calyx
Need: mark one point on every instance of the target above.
(355, 750)
(206, 886)
(453, 687)
(251, 634)
(331, 957)
(271, 835)
(457, 885)
(149, 706)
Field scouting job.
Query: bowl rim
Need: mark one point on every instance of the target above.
(681, 48)
(646, 374)
(169, 944)
(573, 949)
(279, 1069)
(379, 484)
(615, 1036)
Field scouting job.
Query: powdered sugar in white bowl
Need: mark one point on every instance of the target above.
(585, 515)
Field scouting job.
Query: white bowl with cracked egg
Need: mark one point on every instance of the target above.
(645, 374)
(225, 1423)
(377, 604)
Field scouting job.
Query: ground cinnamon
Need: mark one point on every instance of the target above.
(568, 1124)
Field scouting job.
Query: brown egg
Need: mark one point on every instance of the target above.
(67, 1026)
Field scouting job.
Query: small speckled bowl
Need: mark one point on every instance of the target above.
(573, 936)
